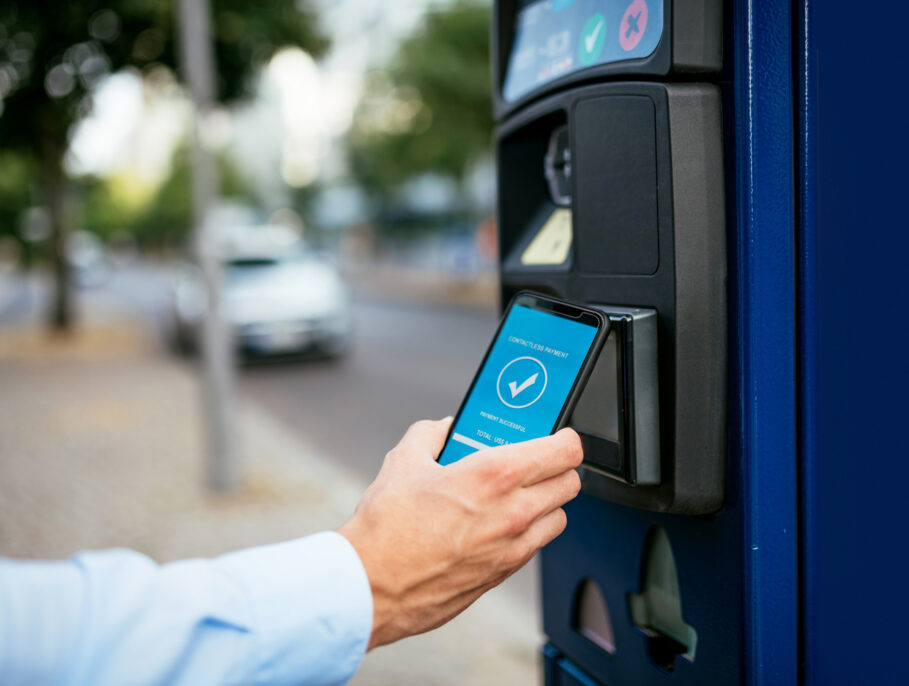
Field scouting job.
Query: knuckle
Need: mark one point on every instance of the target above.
(506, 473)
(518, 519)
(512, 525)
(488, 472)
(518, 554)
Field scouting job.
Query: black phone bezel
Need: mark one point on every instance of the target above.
(559, 308)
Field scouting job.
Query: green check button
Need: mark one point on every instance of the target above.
(593, 35)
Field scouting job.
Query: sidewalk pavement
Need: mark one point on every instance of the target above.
(101, 446)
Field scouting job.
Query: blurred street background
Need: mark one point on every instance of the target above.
(349, 233)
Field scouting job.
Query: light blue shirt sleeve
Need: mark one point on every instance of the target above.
(292, 613)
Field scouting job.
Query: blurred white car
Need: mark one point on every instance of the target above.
(279, 297)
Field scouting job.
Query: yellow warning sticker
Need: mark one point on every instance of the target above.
(552, 242)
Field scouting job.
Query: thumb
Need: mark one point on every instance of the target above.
(423, 440)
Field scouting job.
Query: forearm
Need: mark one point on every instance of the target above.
(298, 612)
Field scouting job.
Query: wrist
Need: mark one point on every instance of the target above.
(383, 603)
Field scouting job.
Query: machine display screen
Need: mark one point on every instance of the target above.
(553, 38)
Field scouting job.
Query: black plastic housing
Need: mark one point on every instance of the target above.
(648, 214)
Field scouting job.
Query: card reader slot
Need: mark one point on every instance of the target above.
(617, 415)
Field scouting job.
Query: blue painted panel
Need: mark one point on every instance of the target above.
(764, 270)
(855, 342)
(605, 542)
(570, 675)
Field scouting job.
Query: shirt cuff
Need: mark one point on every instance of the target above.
(312, 609)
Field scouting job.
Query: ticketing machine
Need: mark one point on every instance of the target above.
(612, 192)
(727, 182)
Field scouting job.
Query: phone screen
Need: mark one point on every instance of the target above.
(523, 384)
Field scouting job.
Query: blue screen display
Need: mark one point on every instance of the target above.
(524, 384)
(556, 37)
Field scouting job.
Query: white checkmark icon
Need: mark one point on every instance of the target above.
(592, 38)
(528, 382)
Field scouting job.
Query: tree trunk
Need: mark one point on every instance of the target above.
(54, 181)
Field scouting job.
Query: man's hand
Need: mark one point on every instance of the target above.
(433, 539)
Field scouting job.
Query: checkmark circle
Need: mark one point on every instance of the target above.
(592, 39)
(525, 367)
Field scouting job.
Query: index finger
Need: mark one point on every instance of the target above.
(542, 458)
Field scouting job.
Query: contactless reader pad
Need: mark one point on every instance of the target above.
(617, 415)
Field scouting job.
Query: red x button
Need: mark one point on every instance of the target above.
(631, 28)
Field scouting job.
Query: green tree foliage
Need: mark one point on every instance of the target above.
(162, 221)
(16, 189)
(54, 52)
(167, 220)
(431, 111)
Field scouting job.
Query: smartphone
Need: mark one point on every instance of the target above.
(531, 376)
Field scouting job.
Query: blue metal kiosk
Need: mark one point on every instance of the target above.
(715, 176)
